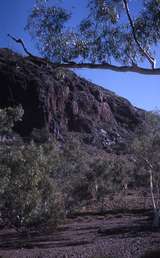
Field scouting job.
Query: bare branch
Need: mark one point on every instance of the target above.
(20, 41)
(144, 51)
(105, 66)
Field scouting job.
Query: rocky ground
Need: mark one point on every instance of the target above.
(119, 233)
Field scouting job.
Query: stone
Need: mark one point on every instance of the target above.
(63, 102)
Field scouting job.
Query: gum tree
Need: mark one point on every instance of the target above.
(113, 36)
(147, 156)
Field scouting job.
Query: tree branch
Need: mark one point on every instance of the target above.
(20, 41)
(105, 66)
(144, 51)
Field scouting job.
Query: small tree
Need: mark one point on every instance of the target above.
(147, 156)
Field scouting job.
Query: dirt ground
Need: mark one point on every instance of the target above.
(119, 233)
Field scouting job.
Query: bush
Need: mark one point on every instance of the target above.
(70, 174)
(28, 194)
(110, 176)
(9, 116)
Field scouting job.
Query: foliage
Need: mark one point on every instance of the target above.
(146, 147)
(111, 176)
(71, 174)
(45, 22)
(27, 192)
(40, 135)
(42, 182)
(147, 157)
(8, 117)
(103, 36)
(84, 177)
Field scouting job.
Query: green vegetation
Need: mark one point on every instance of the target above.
(8, 116)
(147, 159)
(41, 183)
(28, 194)
(101, 39)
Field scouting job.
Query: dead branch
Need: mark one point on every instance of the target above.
(20, 41)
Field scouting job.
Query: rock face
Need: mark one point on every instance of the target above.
(64, 103)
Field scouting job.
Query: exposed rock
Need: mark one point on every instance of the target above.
(61, 101)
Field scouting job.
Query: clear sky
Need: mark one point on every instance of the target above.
(142, 91)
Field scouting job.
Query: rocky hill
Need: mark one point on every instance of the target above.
(64, 103)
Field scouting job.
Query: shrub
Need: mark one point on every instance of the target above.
(40, 135)
(110, 176)
(28, 195)
(8, 117)
(70, 174)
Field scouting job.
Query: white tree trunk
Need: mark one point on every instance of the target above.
(156, 219)
(151, 190)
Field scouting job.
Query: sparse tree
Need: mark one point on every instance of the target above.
(147, 156)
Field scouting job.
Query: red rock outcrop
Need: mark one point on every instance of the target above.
(64, 102)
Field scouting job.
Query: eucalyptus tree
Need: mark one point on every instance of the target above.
(147, 156)
(114, 35)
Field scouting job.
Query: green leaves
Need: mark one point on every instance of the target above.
(105, 35)
(28, 194)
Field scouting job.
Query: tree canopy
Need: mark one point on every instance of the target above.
(111, 36)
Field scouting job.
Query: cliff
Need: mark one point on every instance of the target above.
(64, 103)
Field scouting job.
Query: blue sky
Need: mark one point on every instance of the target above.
(142, 91)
